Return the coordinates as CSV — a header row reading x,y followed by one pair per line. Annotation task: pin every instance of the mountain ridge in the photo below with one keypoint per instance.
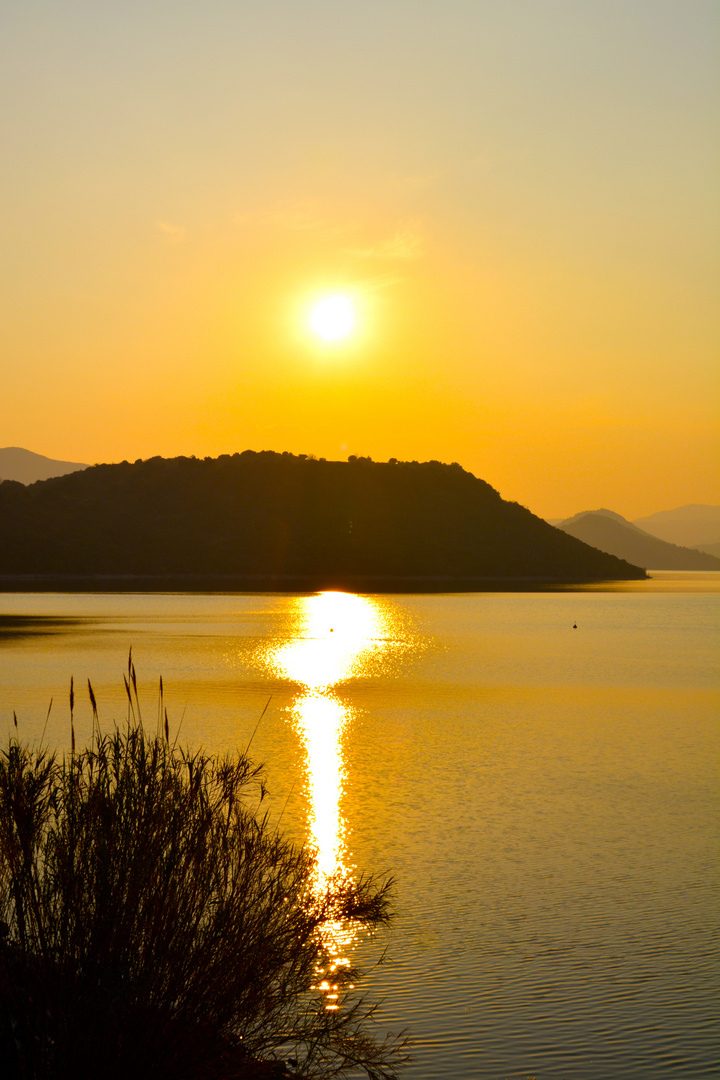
x,y
283,517
695,525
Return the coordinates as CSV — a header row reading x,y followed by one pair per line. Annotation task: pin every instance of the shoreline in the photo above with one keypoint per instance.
x,y
288,583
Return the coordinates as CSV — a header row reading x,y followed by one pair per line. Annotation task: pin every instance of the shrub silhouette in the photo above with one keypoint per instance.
x,y
155,925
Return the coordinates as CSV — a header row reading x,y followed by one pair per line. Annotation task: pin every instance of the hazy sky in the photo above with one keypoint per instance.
x,y
519,196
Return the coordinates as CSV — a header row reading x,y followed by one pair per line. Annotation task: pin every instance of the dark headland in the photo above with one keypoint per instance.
x,y
279,522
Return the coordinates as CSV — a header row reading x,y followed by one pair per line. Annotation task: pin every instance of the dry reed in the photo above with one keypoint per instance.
x,y
155,925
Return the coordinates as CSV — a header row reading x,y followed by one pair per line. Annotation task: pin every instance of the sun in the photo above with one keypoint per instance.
x,y
333,318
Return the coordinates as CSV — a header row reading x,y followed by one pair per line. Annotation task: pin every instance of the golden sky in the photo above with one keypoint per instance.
x,y
520,197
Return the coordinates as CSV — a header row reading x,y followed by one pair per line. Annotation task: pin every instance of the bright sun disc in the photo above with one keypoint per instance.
x,y
333,318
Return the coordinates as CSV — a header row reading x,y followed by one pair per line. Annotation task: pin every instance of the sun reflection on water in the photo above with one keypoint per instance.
x,y
337,632
337,635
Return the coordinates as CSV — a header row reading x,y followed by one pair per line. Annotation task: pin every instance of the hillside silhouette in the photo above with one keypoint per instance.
x,y
610,532
282,521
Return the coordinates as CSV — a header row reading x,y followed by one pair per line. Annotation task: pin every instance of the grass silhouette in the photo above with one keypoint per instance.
x,y
154,924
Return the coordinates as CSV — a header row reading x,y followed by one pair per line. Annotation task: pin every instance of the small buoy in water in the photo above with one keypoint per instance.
x,y
574,626
331,629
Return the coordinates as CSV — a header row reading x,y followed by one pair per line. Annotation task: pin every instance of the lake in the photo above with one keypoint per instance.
x,y
538,772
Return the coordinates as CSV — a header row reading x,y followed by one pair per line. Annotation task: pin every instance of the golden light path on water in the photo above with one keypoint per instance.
x,y
337,634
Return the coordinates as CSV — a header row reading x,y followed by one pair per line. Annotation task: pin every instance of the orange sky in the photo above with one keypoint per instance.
x,y
520,198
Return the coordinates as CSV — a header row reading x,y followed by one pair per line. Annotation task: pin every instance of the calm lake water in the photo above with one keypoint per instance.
x,y
545,795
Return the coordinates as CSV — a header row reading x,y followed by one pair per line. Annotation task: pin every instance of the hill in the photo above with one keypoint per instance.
x,y
560,523
27,467
696,526
610,532
286,520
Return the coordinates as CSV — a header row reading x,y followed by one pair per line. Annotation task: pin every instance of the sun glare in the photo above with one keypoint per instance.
x,y
333,318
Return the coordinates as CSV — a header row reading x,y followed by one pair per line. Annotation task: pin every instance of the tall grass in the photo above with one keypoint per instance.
x,y
155,925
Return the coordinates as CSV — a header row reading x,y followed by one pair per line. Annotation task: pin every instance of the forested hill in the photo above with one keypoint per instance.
x,y
282,520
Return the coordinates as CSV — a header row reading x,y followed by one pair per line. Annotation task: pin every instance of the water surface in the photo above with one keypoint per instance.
x,y
539,772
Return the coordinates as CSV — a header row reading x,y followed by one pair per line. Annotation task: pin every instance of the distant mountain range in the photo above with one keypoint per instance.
x,y
695,526
27,467
281,521
611,532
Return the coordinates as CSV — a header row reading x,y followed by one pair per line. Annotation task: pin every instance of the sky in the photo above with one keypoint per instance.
x,y
518,197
